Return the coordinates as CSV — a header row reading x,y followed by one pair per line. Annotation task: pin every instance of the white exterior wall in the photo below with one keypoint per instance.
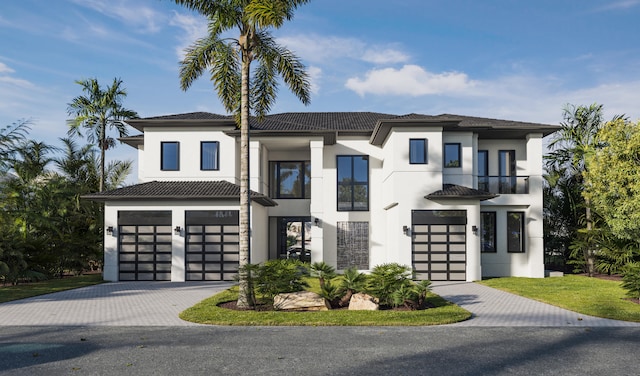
x,y
189,139
528,163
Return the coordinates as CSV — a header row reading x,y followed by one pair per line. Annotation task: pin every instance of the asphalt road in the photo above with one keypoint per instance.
x,y
214,350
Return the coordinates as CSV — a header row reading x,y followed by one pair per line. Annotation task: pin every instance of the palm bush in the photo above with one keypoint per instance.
x,y
631,280
386,279
352,281
278,276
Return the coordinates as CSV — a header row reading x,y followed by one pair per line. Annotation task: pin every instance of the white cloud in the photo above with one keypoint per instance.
x,y
322,49
16,82
619,5
145,19
5,69
315,74
410,80
385,56
194,27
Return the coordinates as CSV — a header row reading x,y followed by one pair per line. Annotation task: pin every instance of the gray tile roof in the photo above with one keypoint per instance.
x,y
320,121
458,191
190,116
179,190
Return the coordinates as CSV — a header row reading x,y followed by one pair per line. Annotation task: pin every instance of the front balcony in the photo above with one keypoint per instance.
x,y
504,184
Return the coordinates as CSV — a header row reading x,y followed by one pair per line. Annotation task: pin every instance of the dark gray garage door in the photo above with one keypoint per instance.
x,y
144,243
212,245
439,244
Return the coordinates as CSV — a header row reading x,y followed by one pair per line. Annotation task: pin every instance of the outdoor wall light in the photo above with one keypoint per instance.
x,y
110,230
406,230
317,222
177,230
474,229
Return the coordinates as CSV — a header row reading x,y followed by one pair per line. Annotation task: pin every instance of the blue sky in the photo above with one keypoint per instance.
x,y
509,59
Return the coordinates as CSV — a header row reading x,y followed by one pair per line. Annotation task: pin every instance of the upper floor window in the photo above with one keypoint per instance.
x,y
488,231
452,155
170,156
209,155
353,182
418,151
507,163
483,170
515,232
290,179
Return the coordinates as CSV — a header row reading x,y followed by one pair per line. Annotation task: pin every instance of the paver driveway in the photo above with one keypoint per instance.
x,y
111,304
159,303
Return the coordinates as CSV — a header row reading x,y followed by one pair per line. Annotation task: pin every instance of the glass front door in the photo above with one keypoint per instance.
x,y
294,240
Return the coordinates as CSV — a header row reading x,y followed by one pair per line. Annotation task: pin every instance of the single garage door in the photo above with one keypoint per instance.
x,y
212,245
144,243
439,244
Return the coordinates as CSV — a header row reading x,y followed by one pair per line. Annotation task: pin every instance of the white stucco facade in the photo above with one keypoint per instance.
x,y
425,215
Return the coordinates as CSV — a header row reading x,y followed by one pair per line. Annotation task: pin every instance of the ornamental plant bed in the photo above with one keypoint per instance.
x,y
233,305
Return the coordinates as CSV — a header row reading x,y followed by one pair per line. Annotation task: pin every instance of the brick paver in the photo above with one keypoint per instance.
x,y
159,303
111,304
492,307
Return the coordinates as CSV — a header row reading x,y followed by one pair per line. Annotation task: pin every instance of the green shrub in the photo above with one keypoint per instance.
x,y
351,282
278,276
385,280
631,280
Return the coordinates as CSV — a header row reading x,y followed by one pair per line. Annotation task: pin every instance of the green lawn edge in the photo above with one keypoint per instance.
x,y
28,290
208,312
585,295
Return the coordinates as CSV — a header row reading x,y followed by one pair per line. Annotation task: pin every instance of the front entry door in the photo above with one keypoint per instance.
x,y
294,238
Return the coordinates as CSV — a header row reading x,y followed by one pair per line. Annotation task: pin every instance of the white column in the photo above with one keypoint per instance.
x,y
474,261
178,273
534,231
110,268
316,206
254,166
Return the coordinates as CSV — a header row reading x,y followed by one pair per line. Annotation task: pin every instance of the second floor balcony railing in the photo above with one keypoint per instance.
x,y
504,184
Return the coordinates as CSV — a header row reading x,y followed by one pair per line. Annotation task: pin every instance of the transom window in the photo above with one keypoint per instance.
x,y
290,179
452,155
418,151
209,155
353,182
170,156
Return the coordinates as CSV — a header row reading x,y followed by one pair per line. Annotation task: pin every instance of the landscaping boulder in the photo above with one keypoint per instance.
x,y
300,301
363,302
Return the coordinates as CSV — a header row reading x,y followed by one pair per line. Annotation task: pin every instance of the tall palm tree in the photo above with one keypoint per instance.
x,y
229,61
100,110
577,135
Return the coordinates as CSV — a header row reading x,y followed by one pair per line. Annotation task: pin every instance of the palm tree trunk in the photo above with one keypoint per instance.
x,y
102,143
245,235
589,252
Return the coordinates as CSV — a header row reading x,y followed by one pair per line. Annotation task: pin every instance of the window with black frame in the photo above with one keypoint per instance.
x,y
290,179
353,182
515,232
170,156
209,155
452,155
418,151
488,231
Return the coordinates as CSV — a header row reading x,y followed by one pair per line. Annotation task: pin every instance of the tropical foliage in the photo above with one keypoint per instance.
x,y
46,230
241,87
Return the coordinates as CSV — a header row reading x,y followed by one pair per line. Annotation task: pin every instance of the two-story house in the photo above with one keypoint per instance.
x,y
454,197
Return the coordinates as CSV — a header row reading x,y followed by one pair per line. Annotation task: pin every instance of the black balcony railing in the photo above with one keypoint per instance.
x,y
504,184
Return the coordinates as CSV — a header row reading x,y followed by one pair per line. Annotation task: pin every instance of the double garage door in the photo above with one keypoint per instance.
x,y
439,244
146,251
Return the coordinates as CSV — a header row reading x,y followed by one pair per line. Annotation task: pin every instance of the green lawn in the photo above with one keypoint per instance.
x,y
208,312
21,291
589,296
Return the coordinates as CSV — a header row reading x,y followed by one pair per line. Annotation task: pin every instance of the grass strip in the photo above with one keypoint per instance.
x,y
27,290
588,296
